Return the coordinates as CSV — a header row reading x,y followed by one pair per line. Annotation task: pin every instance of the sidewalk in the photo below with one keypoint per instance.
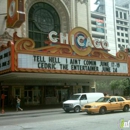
x,y
12,112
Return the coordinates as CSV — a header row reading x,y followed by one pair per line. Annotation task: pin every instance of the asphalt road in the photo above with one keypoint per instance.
x,y
59,120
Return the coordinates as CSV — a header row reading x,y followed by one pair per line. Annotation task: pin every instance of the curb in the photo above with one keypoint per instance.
x,y
27,112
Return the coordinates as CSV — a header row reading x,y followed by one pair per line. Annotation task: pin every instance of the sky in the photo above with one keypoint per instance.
x,y
93,6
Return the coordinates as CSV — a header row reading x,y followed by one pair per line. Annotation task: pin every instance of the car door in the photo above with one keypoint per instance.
x,y
120,102
113,105
83,100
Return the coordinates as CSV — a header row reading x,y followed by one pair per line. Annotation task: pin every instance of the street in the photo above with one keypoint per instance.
x,y
59,120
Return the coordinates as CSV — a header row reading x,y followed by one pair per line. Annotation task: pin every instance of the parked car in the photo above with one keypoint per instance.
x,y
78,100
108,103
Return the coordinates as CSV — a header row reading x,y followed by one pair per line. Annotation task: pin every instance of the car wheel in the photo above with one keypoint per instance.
x,y
102,110
89,113
77,109
126,108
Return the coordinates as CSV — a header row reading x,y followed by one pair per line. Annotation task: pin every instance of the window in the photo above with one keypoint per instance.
x,y
125,23
116,13
122,34
120,14
121,28
113,99
122,40
121,22
118,33
125,17
126,29
118,39
43,18
118,27
83,97
123,46
126,35
119,45
127,41
120,99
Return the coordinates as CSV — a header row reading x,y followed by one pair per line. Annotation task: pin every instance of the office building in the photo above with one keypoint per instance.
x,y
110,21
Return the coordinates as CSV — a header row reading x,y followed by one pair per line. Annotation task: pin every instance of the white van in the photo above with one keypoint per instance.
x,y
78,100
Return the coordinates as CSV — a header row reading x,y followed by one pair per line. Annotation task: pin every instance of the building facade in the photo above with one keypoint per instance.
x,y
47,52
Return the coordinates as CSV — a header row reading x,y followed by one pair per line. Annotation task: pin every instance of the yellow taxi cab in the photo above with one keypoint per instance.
x,y
107,103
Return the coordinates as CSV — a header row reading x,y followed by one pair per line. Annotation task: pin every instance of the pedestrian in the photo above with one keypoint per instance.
x,y
18,100
105,94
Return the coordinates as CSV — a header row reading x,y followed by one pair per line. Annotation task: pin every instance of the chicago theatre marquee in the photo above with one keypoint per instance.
x,y
68,63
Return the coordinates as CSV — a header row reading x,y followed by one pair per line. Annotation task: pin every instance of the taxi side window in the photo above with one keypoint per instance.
x,y
120,99
83,97
113,99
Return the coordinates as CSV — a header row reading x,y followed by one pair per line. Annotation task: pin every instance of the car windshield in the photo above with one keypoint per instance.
x,y
103,99
74,97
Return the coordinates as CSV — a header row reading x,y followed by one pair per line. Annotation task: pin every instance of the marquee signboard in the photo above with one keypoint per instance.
x,y
27,61
72,53
7,58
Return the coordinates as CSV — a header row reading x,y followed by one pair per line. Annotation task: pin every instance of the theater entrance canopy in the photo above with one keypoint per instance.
x,y
66,57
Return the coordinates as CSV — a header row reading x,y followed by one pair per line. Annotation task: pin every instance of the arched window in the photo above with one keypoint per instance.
x,y
43,18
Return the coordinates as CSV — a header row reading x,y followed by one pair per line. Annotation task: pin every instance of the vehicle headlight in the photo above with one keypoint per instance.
x,y
70,105
94,106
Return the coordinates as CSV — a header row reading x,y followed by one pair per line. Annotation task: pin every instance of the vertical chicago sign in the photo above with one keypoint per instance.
x,y
15,13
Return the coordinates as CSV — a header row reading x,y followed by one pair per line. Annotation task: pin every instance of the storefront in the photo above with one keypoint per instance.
x,y
38,95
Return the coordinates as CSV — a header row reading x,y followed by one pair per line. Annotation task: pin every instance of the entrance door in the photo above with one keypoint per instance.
x,y
62,95
32,96
28,96
17,92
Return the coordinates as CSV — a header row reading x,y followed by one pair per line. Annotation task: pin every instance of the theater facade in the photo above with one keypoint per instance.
x,y
54,59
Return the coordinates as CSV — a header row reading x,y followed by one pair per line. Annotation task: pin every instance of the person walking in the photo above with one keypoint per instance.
x,y
18,100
